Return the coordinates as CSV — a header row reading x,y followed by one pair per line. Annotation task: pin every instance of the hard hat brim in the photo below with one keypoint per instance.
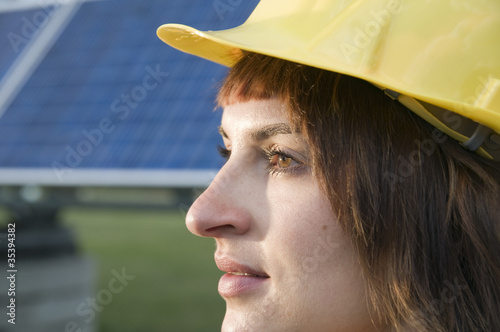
x,y
199,43
225,47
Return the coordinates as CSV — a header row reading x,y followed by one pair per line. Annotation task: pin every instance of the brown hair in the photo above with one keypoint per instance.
x,y
422,212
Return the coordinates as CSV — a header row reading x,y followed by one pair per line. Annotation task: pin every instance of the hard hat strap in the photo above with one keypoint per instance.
x,y
478,138
484,140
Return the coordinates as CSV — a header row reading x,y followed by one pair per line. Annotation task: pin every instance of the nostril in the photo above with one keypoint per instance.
x,y
221,228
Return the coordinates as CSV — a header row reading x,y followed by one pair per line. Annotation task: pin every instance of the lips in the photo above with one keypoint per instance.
x,y
239,279
231,266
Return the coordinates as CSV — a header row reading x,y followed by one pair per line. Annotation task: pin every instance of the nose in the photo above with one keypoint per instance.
x,y
220,210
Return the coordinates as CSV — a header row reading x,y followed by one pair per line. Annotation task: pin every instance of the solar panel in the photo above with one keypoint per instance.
x,y
110,98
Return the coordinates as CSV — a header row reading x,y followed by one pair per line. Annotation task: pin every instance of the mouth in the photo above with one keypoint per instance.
x,y
239,279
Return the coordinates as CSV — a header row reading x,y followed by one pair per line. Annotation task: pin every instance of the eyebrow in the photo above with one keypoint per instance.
x,y
265,132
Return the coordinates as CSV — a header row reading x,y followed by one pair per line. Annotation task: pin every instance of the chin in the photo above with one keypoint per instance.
x,y
235,321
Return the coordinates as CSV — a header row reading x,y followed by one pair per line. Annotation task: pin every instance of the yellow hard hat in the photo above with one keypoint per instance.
x,y
433,56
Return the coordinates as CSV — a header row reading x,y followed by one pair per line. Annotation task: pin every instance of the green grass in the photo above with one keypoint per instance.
x,y
175,285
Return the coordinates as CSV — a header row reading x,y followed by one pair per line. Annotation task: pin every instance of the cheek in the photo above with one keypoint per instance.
x,y
314,247
306,233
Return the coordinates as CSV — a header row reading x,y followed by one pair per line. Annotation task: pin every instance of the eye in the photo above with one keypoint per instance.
x,y
281,161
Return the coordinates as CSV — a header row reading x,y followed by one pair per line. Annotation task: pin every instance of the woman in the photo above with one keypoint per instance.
x,y
342,205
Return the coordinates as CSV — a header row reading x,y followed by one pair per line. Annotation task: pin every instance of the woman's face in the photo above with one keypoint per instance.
x,y
288,265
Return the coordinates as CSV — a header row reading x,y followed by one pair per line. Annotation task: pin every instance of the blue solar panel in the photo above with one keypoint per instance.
x,y
110,94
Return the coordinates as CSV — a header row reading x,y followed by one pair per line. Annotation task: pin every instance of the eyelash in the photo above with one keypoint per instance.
x,y
223,152
269,154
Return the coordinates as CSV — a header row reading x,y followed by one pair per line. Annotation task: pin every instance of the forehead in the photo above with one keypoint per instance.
x,y
249,115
